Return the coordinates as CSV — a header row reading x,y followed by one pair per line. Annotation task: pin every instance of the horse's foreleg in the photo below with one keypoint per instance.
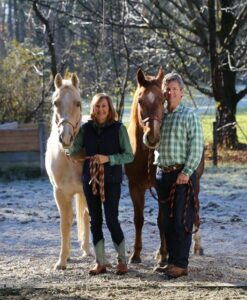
x,y
66,217
85,245
162,252
83,224
198,250
137,196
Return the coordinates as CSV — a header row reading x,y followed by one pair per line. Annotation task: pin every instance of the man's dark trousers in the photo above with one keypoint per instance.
x,y
177,239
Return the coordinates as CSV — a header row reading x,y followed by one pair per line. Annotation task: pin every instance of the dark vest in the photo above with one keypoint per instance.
x,y
106,143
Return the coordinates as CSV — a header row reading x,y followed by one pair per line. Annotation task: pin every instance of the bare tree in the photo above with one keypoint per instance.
x,y
50,38
206,42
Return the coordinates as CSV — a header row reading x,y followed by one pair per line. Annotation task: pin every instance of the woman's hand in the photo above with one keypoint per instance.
x,y
101,159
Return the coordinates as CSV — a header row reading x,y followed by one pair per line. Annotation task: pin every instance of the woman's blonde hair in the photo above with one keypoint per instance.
x,y
96,99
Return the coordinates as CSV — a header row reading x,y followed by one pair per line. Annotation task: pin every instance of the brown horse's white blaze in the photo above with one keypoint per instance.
x,y
150,106
64,174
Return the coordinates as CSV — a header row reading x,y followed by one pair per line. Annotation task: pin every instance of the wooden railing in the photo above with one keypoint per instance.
x,y
23,146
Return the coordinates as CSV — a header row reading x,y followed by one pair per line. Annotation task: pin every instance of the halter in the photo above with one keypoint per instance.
x,y
144,121
68,122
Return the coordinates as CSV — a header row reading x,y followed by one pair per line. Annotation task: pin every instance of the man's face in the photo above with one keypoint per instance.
x,y
173,93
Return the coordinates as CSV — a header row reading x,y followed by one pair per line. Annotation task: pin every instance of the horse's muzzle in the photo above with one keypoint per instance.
x,y
66,140
152,141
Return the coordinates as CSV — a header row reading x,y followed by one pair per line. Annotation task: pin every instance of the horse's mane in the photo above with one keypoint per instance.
x,y
134,129
66,85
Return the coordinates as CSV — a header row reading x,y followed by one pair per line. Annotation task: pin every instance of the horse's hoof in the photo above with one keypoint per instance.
x,y
86,253
60,266
135,260
199,251
160,269
161,263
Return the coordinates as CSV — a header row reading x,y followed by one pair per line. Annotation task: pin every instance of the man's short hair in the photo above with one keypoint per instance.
x,y
172,77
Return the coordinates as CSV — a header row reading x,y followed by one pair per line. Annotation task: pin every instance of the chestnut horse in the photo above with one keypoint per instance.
x,y
64,174
145,120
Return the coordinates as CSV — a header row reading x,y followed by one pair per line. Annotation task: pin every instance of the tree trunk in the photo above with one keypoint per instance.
x,y
10,21
223,80
226,128
50,39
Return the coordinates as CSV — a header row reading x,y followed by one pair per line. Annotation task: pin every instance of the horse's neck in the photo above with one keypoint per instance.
x,y
54,139
54,131
136,139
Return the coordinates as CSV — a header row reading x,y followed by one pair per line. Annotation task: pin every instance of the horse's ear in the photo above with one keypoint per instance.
x,y
75,81
141,77
160,76
58,81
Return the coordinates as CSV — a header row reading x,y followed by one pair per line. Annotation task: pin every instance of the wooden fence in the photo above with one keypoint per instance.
x,y
23,147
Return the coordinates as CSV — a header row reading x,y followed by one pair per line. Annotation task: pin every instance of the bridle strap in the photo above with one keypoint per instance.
x,y
68,122
151,119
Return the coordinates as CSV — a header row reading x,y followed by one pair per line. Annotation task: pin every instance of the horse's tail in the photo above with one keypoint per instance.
x,y
82,217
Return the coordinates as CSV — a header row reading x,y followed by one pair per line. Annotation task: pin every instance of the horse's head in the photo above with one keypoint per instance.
x,y
67,108
150,101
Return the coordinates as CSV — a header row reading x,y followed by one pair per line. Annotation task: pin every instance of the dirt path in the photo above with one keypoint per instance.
x,y
29,247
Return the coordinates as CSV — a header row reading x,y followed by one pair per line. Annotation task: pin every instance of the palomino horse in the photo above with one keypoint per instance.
x,y
146,116
64,174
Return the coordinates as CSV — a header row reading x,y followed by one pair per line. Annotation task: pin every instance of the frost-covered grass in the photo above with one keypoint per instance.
x,y
30,242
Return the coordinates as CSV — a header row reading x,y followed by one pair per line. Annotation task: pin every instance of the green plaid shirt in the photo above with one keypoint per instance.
x,y
181,140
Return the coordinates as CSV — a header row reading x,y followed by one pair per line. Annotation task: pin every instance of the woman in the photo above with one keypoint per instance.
x,y
107,142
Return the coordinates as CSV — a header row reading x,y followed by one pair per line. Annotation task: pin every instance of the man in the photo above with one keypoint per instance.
x,y
177,157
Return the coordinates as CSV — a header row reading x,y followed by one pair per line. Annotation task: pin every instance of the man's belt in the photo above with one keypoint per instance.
x,y
172,168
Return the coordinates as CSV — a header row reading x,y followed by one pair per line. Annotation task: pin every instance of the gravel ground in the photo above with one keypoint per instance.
x,y
29,247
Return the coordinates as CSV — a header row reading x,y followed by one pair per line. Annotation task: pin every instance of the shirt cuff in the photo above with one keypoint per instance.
x,y
187,171
111,160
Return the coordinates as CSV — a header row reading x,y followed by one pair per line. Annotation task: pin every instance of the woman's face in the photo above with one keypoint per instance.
x,y
101,111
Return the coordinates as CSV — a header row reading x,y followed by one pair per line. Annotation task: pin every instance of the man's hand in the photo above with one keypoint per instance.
x,y
182,178
101,159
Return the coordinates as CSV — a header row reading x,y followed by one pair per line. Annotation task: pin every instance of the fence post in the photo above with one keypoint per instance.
x,y
42,146
215,142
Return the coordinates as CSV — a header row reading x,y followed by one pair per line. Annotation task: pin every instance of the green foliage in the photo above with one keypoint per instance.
x,y
21,85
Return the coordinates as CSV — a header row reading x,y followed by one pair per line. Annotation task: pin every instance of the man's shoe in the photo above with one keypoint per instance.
x,y
97,269
176,272
121,268
164,269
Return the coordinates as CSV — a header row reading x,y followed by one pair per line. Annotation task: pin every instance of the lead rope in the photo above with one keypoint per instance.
x,y
97,177
171,200
150,160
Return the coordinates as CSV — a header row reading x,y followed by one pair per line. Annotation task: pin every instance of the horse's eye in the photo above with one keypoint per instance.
x,y
140,100
78,104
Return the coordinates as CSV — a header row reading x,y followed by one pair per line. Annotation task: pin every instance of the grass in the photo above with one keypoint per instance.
x,y
224,156
207,124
